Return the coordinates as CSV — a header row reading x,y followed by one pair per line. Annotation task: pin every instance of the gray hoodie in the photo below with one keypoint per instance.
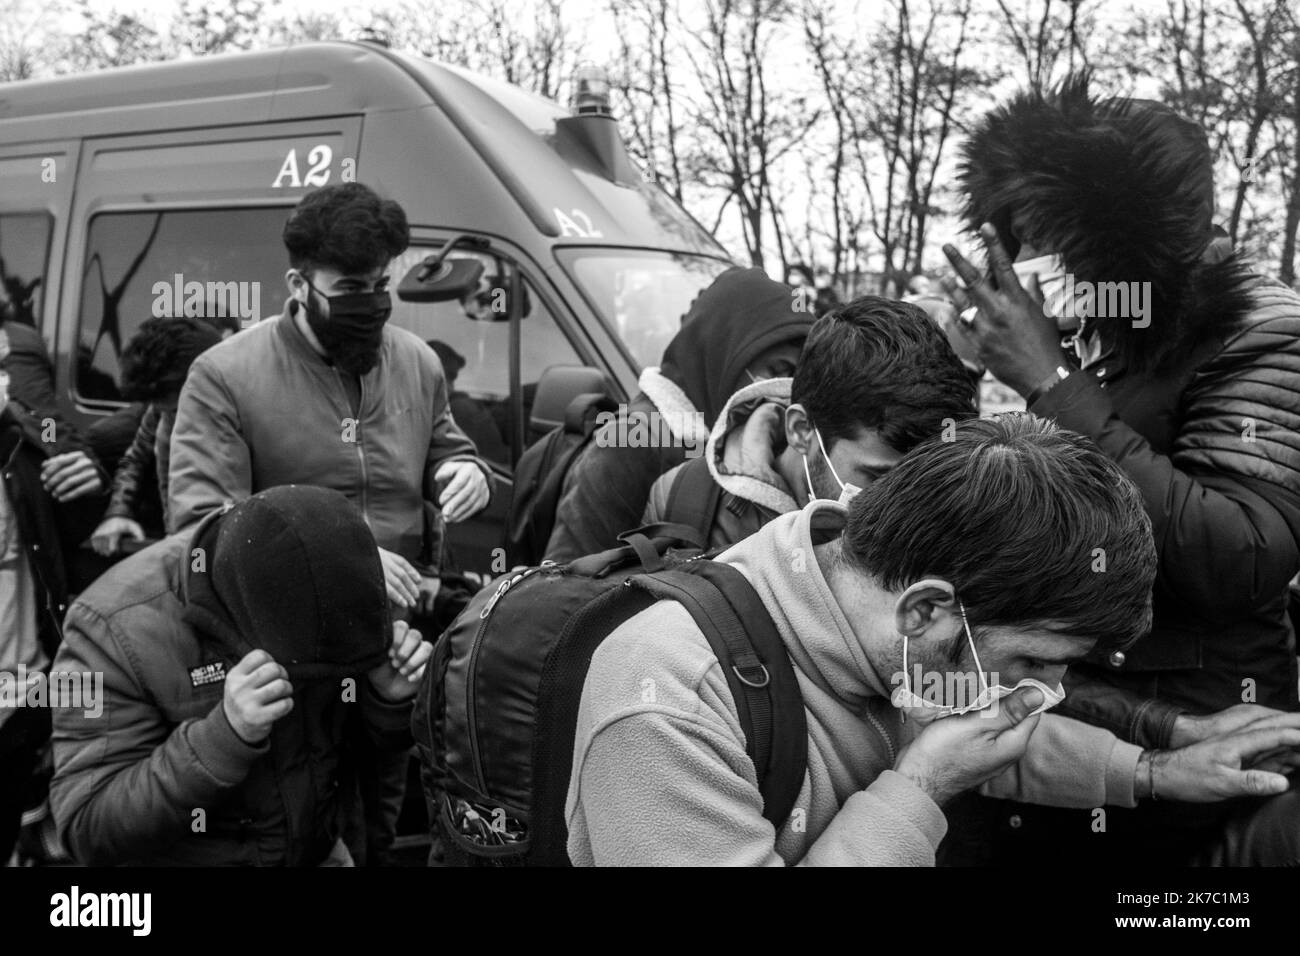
x,y
660,774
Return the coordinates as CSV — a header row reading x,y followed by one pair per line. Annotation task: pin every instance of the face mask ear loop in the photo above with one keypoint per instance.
x,y
306,303
974,653
834,473
808,478
907,679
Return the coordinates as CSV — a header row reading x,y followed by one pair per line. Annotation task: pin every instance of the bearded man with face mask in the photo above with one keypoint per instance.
x,y
928,625
330,394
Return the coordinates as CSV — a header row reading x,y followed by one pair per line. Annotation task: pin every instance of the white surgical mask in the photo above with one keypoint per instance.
x,y
847,489
924,711
1052,283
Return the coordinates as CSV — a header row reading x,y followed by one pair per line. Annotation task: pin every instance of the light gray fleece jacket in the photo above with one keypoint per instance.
x,y
660,774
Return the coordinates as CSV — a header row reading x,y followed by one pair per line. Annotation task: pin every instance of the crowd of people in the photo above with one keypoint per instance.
x,y
1120,554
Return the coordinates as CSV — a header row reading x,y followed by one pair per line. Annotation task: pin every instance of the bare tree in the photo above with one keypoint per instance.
x,y
1225,68
1042,32
113,39
752,126
1260,97
643,80
1290,172
893,96
29,38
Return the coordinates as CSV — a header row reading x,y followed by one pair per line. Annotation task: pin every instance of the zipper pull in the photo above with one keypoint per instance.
x,y
507,584
492,602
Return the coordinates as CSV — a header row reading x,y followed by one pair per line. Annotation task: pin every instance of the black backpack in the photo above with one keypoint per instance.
x,y
539,478
497,710
693,498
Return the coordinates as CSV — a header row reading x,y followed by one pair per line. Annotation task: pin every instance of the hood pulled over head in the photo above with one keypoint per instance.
x,y
740,316
293,571
1122,190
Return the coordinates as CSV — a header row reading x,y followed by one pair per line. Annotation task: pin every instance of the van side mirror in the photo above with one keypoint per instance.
x,y
449,280
490,302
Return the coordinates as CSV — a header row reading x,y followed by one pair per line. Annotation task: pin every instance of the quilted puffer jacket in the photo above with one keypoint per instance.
x,y
1199,401
1214,445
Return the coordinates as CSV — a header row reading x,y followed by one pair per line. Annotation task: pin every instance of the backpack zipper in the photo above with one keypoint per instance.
x,y
471,677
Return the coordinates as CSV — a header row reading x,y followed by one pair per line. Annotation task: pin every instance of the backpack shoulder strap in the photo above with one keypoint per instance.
x,y
694,497
757,666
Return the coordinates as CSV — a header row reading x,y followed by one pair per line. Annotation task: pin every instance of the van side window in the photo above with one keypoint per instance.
x,y
24,262
472,339
226,265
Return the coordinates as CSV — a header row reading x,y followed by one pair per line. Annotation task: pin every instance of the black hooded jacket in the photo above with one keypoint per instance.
x,y
160,777
1201,407
741,315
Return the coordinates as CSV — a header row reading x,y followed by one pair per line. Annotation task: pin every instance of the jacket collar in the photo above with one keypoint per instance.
x,y
292,335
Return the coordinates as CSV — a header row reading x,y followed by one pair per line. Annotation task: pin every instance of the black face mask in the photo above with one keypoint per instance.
x,y
353,332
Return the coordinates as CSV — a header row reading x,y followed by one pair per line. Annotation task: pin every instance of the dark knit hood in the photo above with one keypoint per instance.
x,y
293,571
1123,191
742,314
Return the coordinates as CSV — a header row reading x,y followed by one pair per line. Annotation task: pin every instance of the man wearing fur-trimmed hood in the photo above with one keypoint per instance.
x,y
743,327
1185,369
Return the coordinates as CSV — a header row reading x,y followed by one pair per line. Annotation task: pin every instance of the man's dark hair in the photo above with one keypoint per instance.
x,y
158,357
345,227
1031,524
878,363
452,361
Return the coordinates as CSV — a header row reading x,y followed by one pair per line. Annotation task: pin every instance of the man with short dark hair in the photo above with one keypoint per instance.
x,y
874,379
967,566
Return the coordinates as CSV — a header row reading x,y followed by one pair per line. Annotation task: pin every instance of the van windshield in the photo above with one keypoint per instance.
x,y
643,295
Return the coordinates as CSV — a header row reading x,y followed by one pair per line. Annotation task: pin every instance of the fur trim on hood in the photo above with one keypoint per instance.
x,y
683,419
1123,191
741,453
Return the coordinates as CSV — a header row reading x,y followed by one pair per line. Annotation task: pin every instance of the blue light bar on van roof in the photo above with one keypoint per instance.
x,y
590,91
